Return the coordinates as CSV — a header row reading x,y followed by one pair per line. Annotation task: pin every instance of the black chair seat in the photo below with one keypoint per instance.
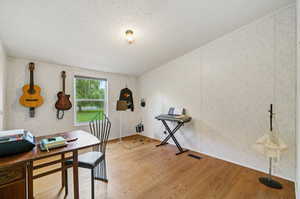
x,y
88,160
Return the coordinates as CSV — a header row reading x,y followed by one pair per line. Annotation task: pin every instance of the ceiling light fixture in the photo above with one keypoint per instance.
x,y
129,36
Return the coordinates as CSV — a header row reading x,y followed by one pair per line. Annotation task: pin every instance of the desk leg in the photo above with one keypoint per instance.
x,y
30,179
75,174
63,177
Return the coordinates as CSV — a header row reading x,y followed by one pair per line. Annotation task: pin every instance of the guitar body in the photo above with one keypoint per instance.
x,y
31,100
63,102
31,97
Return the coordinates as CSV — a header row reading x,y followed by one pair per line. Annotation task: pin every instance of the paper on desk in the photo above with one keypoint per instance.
x,y
12,132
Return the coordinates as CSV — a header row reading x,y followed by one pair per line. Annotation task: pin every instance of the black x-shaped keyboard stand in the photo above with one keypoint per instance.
x,y
180,122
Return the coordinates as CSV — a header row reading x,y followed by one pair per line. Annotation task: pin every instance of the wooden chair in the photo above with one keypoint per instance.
x,y
94,160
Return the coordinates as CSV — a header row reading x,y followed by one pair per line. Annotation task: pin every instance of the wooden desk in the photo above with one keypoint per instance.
x,y
84,140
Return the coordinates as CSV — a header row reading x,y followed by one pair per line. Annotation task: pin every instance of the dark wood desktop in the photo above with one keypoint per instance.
x,y
13,180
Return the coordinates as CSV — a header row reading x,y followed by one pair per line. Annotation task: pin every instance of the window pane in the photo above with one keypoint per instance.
x,y
89,110
90,89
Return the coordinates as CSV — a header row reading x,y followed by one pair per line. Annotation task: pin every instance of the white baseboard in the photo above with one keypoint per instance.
x,y
232,161
243,165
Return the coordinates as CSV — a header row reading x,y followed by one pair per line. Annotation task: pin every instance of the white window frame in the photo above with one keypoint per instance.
x,y
76,100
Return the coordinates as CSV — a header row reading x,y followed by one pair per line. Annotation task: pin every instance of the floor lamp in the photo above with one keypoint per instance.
x,y
271,146
121,106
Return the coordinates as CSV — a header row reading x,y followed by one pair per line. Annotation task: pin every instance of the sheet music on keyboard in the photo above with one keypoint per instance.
x,y
175,118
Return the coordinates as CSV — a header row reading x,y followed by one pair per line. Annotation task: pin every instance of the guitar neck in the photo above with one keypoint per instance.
x,y
63,76
64,84
31,84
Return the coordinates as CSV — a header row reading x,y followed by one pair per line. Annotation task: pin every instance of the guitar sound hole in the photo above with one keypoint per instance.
x,y
31,100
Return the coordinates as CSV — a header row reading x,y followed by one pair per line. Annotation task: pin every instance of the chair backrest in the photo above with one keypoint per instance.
x,y
101,129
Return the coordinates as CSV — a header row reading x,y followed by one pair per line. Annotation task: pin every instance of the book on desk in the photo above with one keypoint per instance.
x,y
51,143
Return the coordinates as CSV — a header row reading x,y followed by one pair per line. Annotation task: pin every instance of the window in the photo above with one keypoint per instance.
x,y
90,99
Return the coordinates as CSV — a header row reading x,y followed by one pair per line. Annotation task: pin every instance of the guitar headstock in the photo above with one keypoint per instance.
x,y
63,74
31,66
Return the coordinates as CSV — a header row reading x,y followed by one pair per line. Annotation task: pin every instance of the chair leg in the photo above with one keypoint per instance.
x,y
101,171
66,181
104,169
93,183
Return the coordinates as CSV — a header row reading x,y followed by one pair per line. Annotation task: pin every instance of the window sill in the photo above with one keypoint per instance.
x,y
81,124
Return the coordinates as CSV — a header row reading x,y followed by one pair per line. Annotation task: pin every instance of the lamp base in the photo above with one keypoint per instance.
x,y
270,183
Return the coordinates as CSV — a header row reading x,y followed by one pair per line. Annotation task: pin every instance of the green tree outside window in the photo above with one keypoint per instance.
x,y
90,99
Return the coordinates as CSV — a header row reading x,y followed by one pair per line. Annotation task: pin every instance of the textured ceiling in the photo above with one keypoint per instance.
x,y
90,33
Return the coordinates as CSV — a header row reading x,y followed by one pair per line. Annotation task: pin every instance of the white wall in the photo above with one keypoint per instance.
x,y
2,85
227,86
48,77
298,104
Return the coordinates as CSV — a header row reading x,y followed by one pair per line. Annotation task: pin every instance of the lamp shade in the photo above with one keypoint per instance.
x,y
270,145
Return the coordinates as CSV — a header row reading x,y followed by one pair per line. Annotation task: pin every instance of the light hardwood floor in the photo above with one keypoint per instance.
x,y
143,171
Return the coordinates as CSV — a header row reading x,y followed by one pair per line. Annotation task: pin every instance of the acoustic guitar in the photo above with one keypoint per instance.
x,y
63,103
31,94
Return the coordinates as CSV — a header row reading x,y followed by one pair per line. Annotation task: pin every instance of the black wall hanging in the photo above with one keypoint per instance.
x,y
126,95
143,102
